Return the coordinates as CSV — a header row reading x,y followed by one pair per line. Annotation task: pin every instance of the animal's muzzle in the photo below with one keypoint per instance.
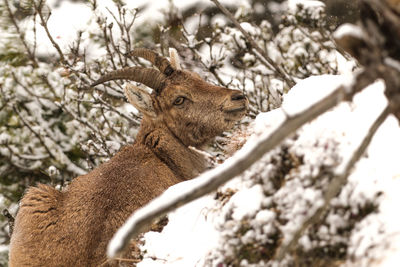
x,y
237,96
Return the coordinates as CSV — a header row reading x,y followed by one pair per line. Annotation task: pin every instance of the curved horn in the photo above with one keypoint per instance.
x,y
160,62
148,76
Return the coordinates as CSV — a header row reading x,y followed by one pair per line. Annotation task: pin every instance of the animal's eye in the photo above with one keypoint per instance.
x,y
179,101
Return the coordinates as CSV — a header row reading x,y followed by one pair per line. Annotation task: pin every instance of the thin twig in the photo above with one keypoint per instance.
x,y
27,90
21,34
43,22
115,47
78,118
99,136
112,108
107,45
38,135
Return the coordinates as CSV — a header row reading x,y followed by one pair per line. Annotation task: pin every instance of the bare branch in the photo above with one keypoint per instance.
x,y
43,22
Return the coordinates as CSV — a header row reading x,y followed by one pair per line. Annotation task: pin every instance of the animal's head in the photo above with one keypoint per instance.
x,y
193,110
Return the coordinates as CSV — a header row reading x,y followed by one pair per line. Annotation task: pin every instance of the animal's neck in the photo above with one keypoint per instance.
x,y
185,162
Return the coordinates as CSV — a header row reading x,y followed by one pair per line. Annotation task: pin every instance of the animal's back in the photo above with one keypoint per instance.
x,y
53,227
39,213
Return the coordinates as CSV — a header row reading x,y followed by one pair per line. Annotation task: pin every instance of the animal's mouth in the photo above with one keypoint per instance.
x,y
234,114
236,110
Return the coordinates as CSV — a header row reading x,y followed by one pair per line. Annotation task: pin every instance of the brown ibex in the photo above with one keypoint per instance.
x,y
73,227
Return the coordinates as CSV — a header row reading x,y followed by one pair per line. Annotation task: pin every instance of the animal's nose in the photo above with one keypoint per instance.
x,y
237,96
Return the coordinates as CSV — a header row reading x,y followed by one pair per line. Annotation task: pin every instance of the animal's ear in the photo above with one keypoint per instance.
x,y
140,99
174,58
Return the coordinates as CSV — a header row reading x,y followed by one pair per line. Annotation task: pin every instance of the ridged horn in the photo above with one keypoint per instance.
x,y
148,76
160,62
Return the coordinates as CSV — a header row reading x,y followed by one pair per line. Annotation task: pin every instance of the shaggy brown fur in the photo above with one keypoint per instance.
x,y
73,227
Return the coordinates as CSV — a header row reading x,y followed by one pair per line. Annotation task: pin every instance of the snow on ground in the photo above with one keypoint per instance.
x,y
190,237
251,213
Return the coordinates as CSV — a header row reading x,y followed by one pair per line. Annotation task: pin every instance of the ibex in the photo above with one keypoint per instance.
x,y
72,227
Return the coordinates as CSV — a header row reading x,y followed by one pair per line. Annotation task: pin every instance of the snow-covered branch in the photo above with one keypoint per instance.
x,y
249,154
339,179
30,52
258,52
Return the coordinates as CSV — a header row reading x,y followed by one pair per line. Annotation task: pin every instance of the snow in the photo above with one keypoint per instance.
x,y
249,28
247,202
192,237
348,29
305,3
312,5
317,86
219,20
